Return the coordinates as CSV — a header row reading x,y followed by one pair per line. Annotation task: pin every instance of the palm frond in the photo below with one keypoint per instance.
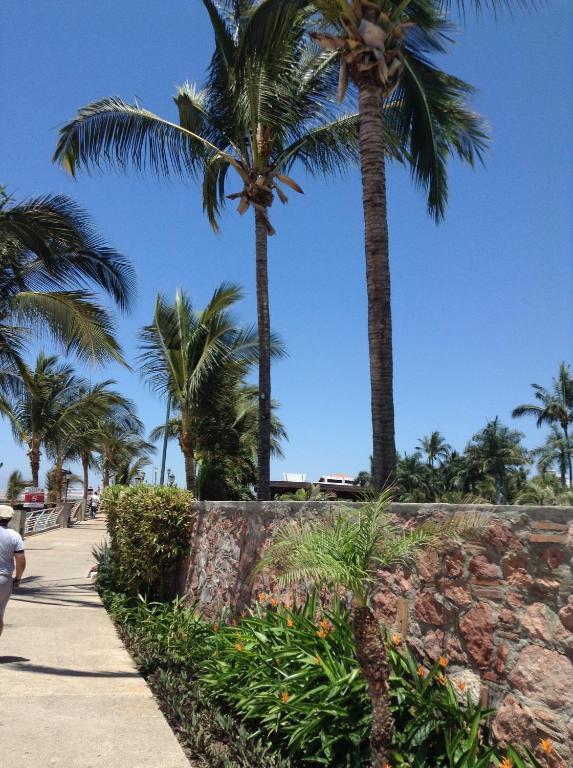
x,y
75,319
113,132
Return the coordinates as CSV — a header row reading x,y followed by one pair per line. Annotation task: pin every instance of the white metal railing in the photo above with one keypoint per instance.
x,y
77,515
42,520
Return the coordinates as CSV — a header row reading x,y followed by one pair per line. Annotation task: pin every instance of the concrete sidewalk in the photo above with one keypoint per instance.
x,y
70,695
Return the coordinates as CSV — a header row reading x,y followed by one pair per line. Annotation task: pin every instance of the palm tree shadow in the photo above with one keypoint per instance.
x,y
12,659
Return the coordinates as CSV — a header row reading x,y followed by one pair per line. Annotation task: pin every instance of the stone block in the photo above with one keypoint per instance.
x,y
544,676
477,631
539,621
430,611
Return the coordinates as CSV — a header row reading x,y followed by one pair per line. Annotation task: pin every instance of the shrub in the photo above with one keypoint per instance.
x,y
149,528
291,677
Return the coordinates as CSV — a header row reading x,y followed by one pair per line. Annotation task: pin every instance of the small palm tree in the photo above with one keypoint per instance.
x,y
435,448
555,451
15,486
495,450
193,356
118,442
73,424
34,408
554,407
348,550
49,253
268,104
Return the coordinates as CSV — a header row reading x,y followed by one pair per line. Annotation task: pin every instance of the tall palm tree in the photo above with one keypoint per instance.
x,y
494,450
51,259
554,407
385,49
348,550
266,106
187,354
434,447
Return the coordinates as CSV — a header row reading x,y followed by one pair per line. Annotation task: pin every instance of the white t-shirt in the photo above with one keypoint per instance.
x,y
10,543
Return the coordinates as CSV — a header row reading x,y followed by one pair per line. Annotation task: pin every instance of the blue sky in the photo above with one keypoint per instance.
x,y
482,303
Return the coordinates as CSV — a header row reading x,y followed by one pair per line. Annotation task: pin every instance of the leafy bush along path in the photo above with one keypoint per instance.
x,y
280,689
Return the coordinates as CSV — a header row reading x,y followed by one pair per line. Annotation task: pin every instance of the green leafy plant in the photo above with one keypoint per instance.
x,y
346,551
290,677
149,528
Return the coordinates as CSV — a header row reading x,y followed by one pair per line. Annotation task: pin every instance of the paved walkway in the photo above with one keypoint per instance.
x,y
70,696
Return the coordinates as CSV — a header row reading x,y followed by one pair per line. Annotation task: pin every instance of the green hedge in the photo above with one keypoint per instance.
x,y
150,529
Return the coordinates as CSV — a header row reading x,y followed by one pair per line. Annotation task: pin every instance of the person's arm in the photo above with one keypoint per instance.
x,y
20,560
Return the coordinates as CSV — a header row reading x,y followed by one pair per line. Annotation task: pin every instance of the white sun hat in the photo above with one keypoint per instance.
x,y
6,512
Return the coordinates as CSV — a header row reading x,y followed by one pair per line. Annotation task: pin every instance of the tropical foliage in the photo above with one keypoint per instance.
x,y
347,551
283,686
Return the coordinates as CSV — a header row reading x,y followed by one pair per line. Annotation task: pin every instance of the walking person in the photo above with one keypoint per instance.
x,y
94,503
11,556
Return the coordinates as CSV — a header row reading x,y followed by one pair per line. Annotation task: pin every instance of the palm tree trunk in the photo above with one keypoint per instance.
x,y
372,163
58,482
498,489
34,456
373,661
188,450
569,459
85,469
105,475
264,331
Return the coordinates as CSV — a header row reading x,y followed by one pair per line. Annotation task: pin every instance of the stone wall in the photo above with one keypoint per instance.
x,y
501,609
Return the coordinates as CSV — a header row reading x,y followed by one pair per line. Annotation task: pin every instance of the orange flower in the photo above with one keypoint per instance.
x,y
322,633
460,685
443,662
546,745
324,624
441,679
396,640
422,672
284,697
262,597
507,762
273,601
386,765
239,647
290,622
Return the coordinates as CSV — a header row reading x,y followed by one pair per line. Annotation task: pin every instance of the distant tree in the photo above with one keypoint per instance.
x,y
192,356
414,479
15,486
554,407
434,448
555,451
494,451
543,491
